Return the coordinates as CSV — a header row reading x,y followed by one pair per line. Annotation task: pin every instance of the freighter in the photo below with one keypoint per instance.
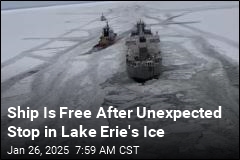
x,y
143,58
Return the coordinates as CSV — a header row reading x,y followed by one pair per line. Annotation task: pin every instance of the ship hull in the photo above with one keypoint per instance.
x,y
143,72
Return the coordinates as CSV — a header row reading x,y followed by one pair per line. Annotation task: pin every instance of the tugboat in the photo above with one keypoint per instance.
x,y
107,38
103,18
143,58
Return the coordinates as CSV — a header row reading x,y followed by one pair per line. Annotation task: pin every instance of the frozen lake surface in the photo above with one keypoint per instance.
x,y
44,63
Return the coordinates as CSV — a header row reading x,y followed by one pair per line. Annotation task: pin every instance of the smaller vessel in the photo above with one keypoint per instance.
x,y
107,38
103,18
